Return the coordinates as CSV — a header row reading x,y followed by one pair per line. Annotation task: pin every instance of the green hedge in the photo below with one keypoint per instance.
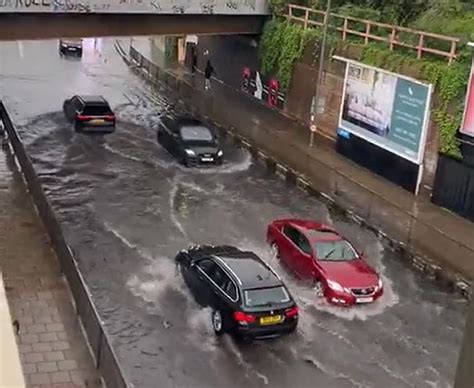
x,y
281,45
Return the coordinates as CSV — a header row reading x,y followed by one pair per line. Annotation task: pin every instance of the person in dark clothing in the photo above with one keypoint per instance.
x,y
194,61
208,72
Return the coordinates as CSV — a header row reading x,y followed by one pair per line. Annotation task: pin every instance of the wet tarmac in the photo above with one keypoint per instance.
x,y
127,207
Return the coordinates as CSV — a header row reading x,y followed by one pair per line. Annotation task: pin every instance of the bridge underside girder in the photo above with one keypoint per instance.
x,y
19,26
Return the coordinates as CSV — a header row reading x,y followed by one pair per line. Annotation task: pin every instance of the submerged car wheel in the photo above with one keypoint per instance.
x,y
78,126
218,322
185,161
319,289
275,252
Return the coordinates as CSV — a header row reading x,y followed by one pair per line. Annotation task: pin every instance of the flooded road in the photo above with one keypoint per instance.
x,y
127,207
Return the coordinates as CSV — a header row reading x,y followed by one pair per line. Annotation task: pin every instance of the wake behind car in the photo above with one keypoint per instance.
x,y
90,113
70,46
247,297
316,251
191,142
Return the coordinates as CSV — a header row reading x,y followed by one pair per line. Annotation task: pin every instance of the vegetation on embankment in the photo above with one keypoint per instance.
x,y
283,43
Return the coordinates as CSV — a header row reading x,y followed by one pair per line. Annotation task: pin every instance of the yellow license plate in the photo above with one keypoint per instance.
x,y
270,320
98,121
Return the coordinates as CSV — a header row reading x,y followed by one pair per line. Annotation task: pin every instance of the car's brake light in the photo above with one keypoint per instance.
x,y
110,118
240,316
291,312
83,118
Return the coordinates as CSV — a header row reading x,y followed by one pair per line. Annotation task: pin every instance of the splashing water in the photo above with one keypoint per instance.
x,y
307,296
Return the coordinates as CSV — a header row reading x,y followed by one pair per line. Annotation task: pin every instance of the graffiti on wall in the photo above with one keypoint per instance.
x,y
77,6
152,6
18,4
70,6
208,7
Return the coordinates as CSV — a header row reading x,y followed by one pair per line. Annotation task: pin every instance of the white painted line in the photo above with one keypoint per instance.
x,y
327,197
302,183
262,155
246,144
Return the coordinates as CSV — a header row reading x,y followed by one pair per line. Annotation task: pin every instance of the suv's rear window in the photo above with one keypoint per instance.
x,y
96,110
196,133
77,42
266,296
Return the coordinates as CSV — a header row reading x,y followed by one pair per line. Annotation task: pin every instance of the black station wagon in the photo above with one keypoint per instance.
x,y
247,297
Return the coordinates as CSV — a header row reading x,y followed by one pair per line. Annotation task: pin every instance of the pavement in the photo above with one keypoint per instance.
x,y
126,207
432,231
52,348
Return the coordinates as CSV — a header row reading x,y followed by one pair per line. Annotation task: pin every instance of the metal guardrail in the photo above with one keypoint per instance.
x,y
378,213
105,358
366,30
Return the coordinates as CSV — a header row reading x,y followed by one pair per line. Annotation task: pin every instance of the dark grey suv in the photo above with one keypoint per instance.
x,y
70,46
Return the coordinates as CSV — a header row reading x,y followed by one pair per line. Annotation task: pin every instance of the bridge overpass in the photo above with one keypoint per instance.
x,y
43,19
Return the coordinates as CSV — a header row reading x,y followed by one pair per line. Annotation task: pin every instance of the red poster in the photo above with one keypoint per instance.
x,y
467,126
272,93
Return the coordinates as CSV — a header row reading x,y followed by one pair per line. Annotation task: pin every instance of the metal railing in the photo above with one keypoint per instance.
x,y
105,358
376,210
370,31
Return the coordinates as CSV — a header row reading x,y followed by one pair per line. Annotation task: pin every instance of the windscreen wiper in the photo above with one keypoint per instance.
x,y
329,254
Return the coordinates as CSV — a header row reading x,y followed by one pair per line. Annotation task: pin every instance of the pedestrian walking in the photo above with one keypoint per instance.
x,y
208,72
194,61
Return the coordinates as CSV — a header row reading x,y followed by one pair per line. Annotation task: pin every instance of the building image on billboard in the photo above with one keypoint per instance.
x,y
368,99
386,109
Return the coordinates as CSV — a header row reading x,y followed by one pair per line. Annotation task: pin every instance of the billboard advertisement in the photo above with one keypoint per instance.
x,y
467,127
388,110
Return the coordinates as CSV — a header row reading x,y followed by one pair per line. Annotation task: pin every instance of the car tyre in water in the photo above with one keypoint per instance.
x,y
319,289
185,161
218,322
275,251
78,126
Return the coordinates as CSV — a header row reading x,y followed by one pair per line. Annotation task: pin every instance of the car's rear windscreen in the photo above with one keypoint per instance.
x,y
97,110
196,133
266,296
72,42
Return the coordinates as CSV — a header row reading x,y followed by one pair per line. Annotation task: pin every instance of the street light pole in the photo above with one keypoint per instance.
x,y
320,71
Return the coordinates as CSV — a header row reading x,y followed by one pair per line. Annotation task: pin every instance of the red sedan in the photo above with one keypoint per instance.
x,y
316,251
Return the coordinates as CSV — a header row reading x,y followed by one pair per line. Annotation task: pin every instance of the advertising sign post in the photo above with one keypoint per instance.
x,y
386,110
389,110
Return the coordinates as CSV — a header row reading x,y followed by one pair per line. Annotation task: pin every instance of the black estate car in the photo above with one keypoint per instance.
x,y
247,297
188,140
70,46
91,113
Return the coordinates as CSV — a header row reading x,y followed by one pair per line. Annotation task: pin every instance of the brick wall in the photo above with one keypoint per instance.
x,y
303,87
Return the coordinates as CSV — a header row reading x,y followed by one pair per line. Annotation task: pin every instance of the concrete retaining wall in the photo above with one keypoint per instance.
x,y
105,359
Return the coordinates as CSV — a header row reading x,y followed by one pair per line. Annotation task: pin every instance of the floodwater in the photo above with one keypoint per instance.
x,y
127,207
